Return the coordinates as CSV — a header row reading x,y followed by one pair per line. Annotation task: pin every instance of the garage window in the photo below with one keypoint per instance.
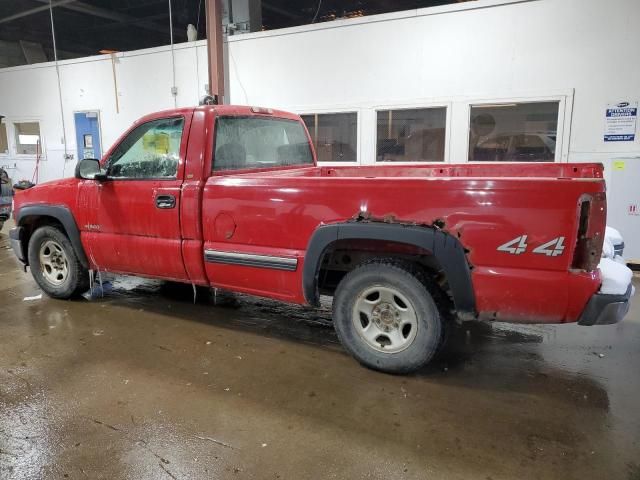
x,y
513,132
27,138
411,135
4,143
334,135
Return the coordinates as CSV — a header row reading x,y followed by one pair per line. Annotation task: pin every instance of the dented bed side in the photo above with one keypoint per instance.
x,y
519,233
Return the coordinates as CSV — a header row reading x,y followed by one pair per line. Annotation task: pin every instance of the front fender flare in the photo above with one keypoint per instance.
x,y
446,248
62,214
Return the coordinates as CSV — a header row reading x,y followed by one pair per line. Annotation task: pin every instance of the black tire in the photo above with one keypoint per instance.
x,y
409,281
77,277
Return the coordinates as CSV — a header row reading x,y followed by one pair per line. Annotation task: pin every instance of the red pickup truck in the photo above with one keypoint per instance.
x,y
231,197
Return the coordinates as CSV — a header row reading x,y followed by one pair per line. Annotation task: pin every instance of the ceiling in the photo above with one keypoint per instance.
x,y
287,13
86,27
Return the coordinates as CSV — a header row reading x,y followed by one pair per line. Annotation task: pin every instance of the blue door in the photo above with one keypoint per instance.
x,y
88,135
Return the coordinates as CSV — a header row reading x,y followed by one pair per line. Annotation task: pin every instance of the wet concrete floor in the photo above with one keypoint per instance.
x,y
145,384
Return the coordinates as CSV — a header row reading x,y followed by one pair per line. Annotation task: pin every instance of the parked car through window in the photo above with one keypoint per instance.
x,y
513,132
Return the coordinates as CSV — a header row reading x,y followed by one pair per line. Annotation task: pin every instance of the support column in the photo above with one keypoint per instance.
x,y
214,49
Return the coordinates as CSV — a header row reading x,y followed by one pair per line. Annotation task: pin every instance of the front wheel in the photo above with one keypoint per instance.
x,y
386,318
54,264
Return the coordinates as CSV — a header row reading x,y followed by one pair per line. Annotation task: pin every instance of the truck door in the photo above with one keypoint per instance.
x,y
134,221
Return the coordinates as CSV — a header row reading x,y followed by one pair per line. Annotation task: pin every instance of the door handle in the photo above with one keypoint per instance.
x,y
165,201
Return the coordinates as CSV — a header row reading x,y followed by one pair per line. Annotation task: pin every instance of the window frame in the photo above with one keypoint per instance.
x,y
565,108
334,110
7,153
223,172
12,140
447,105
177,176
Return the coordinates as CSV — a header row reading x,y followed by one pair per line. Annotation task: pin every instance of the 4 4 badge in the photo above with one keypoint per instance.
x,y
518,245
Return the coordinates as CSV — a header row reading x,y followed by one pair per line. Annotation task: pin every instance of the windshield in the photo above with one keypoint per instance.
x,y
257,142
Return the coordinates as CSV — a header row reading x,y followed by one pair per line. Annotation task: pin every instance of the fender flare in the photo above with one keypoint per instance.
x,y
64,216
445,247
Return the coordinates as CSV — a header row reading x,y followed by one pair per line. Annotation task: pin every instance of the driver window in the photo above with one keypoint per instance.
x,y
151,150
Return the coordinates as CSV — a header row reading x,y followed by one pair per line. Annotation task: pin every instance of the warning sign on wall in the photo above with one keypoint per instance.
x,y
620,122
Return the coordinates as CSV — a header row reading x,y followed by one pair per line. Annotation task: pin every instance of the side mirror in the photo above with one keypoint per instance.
x,y
89,169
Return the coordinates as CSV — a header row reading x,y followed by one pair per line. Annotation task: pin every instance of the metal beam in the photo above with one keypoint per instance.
x,y
88,9
116,25
31,11
281,11
12,33
214,48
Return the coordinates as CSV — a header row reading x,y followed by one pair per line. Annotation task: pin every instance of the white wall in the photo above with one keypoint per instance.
x,y
583,53
144,80
584,49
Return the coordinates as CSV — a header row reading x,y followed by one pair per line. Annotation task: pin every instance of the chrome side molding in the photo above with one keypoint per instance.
x,y
288,264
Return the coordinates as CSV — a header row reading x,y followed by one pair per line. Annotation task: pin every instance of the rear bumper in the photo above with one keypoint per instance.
x,y
603,309
15,237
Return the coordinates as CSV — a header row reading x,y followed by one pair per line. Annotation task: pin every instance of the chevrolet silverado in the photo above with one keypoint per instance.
x,y
231,197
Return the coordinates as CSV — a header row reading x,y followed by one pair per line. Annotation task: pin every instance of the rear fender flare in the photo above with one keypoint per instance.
x,y
445,247
63,215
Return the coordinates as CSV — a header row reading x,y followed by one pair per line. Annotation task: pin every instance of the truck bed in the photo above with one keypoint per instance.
x,y
485,206
484,170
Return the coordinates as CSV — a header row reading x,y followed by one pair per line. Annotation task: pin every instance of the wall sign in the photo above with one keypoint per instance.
x,y
620,122
618,165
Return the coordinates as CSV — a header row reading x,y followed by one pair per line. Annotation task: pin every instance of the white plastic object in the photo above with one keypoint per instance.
x,y
615,277
613,235
607,248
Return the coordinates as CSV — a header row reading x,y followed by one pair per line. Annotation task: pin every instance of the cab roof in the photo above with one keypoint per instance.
x,y
230,110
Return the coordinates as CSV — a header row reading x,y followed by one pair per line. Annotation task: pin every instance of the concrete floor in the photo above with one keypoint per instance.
x,y
145,384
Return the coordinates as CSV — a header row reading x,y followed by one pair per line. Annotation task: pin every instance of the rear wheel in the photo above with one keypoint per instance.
x,y
54,264
386,318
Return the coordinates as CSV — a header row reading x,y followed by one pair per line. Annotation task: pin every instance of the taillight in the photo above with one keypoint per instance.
x,y
592,218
